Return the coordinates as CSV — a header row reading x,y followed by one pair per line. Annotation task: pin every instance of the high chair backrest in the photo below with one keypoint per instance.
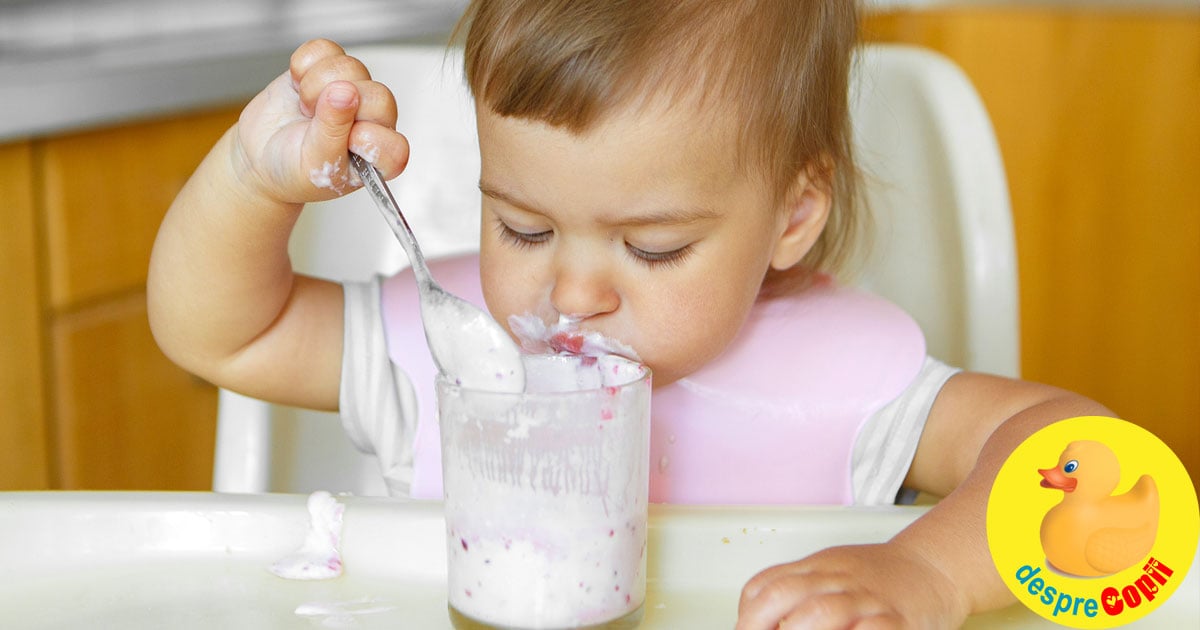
x,y
943,238
942,246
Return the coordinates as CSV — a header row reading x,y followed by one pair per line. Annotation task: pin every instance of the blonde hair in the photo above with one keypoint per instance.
x,y
781,67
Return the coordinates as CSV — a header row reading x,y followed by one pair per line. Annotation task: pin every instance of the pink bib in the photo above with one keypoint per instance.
x,y
773,420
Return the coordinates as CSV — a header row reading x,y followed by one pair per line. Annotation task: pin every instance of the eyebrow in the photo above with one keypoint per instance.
x,y
670,215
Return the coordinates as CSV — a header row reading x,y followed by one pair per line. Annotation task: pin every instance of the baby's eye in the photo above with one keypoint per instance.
x,y
522,239
656,260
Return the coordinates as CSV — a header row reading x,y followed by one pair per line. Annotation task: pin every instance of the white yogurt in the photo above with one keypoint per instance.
x,y
319,557
546,500
333,176
469,346
564,336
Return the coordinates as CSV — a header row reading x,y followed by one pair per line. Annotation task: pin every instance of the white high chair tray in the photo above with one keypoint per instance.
x,y
199,560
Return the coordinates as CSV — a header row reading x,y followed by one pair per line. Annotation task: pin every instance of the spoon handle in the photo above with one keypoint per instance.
x,y
391,213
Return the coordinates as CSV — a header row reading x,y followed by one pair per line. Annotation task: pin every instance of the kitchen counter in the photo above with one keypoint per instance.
x,y
67,64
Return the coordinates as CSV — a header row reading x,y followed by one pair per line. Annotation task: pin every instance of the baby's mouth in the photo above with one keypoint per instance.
x,y
564,337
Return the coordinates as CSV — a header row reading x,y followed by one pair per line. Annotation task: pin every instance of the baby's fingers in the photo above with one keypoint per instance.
x,y
380,145
375,103
336,128
317,63
327,138
311,53
782,599
836,611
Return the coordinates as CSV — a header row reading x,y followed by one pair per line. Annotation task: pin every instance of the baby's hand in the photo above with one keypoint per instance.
x,y
859,586
292,141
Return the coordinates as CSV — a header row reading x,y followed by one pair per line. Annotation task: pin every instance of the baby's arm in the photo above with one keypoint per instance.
x,y
938,570
223,300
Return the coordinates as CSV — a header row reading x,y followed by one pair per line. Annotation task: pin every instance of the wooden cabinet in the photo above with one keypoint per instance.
x,y
88,400
125,417
24,455
1096,115
104,193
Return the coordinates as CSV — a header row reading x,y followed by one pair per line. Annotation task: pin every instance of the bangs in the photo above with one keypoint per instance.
x,y
569,63
776,71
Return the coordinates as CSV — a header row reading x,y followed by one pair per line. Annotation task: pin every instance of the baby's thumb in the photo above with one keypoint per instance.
x,y
329,135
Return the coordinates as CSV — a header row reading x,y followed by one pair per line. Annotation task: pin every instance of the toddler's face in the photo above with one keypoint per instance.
x,y
643,227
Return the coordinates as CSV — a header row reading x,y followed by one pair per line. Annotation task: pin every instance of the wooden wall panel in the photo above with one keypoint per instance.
x,y
1096,113
23,447
127,418
105,194
123,416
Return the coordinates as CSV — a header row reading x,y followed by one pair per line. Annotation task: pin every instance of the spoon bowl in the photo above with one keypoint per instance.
x,y
467,345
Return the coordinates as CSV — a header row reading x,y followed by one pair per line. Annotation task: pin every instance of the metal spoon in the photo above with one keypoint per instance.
x,y
467,345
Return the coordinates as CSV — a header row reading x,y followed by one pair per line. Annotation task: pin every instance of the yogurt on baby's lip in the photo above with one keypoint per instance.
x,y
546,494
564,337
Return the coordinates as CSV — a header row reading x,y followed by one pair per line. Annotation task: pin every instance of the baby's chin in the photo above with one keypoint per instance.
x,y
671,367
666,372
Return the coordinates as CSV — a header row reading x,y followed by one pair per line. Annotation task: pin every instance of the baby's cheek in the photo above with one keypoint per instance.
x,y
498,292
687,340
672,356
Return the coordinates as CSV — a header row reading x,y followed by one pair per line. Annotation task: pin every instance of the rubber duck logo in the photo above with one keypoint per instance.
x,y
1110,534
1093,532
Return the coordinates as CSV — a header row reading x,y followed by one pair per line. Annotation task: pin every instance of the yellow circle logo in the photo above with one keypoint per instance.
x,y
1092,522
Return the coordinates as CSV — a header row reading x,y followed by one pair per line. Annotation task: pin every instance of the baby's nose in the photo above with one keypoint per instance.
x,y
581,293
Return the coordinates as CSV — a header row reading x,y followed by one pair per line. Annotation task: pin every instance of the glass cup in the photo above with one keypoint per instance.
x,y
546,496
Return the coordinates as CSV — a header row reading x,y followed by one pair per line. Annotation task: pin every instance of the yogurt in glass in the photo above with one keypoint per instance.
x,y
546,495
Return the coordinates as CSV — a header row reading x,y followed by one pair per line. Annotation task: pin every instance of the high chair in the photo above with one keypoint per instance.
x,y
942,246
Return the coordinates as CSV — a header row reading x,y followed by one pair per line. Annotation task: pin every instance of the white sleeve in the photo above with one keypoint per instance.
x,y
888,440
376,401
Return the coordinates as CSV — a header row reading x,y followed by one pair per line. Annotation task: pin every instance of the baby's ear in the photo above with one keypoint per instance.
x,y
802,219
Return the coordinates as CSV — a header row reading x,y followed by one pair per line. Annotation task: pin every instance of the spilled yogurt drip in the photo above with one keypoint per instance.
x,y
319,557
564,337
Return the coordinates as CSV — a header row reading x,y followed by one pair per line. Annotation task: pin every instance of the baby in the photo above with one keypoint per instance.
x,y
653,171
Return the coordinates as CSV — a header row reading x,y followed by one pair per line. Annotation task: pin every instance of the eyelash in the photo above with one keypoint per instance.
x,y
521,239
659,260
653,260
